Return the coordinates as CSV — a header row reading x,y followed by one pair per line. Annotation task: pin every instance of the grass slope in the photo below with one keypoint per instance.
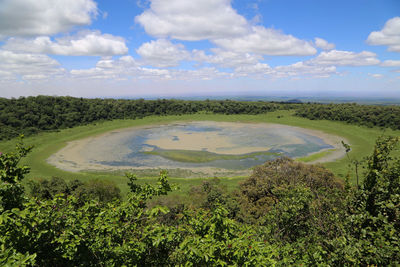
x,y
361,139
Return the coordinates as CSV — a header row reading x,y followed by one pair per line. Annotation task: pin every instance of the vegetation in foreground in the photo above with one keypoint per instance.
x,y
285,213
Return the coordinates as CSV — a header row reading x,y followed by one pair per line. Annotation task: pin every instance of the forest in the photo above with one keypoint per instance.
x,y
284,213
30,115
366,115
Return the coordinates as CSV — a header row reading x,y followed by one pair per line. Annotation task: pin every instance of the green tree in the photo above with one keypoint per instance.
x,y
11,175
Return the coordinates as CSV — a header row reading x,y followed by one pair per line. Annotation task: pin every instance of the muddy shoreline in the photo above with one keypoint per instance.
x,y
77,155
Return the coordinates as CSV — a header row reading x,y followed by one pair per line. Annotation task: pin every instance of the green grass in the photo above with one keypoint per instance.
x,y
195,156
315,156
361,139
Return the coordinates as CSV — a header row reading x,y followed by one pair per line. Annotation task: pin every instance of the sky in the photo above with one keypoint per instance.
x,y
181,48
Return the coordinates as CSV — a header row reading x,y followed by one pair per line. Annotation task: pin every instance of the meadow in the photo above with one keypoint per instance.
x,y
361,140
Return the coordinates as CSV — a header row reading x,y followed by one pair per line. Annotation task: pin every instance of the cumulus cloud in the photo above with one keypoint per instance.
x,y
268,42
217,21
259,69
225,58
391,63
304,69
192,20
85,43
299,69
126,67
345,58
108,68
207,73
123,68
28,66
324,65
162,53
389,35
376,75
323,44
6,76
44,17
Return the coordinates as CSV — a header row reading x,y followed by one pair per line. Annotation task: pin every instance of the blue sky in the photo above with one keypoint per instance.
x,y
172,48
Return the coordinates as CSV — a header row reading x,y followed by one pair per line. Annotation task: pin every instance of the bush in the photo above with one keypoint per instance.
x,y
103,191
263,189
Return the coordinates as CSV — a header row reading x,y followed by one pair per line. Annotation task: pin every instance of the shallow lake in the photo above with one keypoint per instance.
x,y
225,145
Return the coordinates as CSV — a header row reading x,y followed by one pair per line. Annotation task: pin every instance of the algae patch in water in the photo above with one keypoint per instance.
x,y
195,156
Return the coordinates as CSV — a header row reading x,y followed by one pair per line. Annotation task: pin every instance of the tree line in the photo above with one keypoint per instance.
x,y
285,213
30,115
365,115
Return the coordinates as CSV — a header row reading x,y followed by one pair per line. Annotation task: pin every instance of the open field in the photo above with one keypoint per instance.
x,y
361,139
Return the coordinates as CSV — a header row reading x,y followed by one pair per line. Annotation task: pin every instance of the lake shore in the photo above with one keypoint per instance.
x,y
76,156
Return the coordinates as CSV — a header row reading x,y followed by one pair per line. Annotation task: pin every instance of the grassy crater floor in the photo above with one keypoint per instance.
x,y
361,139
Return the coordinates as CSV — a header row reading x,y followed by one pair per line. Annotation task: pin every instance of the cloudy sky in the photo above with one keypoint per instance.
x,y
161,48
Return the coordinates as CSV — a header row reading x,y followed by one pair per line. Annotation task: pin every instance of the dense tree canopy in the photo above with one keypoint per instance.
x,y
285,213
366,115
30,115
296,214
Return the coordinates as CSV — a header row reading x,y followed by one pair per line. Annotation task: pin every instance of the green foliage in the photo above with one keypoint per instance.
x,y
375,209
214,240
103,191
212,194
147,191
262,190
290,214
11,189
370,116
31,115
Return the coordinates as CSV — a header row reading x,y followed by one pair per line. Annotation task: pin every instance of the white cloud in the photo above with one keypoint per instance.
x,y
323,44
208,73
85,43
267,42
389,35
345,58
122,68
28,66
126,67
226,59
162,53
217,21
6,76
391,63
44,17
294,70
259,69
376,75
148,73
304,69
108,68
192,20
